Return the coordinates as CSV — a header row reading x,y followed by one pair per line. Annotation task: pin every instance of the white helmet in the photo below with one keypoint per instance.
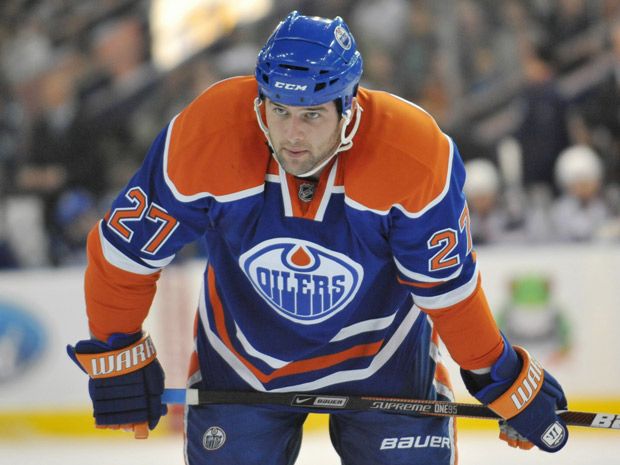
x,y
482,178
577,163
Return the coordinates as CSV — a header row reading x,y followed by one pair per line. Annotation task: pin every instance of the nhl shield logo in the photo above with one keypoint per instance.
x,y
306,191
302,281
214,438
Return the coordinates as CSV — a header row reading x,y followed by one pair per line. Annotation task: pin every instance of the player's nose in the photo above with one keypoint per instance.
x,y
293,130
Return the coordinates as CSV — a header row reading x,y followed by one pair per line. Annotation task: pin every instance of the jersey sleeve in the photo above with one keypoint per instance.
x,y
435,259
145,227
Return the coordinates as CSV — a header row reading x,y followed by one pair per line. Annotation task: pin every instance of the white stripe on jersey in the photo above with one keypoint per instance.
x,y
286,196
251,350
422,277
335,378
443,390
449,298
367,326
120,260
224,352
378,361
328,193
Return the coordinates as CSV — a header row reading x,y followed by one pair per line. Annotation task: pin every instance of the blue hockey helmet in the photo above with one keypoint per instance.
x,y
309,61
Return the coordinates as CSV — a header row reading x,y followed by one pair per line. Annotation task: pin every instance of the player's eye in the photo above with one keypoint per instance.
x,y
279,111
313,115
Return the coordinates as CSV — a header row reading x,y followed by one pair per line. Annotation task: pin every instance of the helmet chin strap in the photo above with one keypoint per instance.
x,y
346,140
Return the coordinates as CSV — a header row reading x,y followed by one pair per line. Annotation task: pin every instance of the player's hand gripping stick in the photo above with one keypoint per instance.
x,y
520,391
126,381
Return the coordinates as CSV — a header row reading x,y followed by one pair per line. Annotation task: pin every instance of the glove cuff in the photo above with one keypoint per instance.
x,y
118,362
523,390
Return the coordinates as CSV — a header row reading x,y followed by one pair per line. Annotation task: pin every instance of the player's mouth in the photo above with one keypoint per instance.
x,y
294,152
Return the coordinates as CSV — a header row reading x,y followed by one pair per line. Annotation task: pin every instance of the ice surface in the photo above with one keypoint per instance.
x,y
475,448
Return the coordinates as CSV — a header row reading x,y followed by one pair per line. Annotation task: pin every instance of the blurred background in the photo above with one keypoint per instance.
x,y
528,89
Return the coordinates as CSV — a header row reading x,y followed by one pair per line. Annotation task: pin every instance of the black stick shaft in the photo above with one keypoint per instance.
x,y
332,403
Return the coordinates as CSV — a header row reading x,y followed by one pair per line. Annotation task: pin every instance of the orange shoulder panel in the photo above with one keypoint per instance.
x,y
469,331
399,155
215,144
117,301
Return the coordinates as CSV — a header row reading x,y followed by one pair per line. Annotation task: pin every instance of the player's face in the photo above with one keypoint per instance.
x,y
303,137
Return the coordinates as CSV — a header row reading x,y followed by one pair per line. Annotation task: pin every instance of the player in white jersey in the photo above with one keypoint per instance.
x,y
339,253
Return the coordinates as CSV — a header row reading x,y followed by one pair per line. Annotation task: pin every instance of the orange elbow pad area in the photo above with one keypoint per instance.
x,y
117,301
469,331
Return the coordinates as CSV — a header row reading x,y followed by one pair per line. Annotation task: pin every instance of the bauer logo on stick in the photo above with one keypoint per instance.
x,y
606,420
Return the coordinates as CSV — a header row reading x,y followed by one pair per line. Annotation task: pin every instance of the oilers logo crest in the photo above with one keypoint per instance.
x,y
300,280
343,37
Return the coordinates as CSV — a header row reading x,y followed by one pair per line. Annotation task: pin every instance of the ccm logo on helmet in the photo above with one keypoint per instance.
x,y
288,86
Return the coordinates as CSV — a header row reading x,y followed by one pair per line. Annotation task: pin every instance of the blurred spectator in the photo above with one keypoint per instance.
x,y
476,59
12,137
8,259
417,51
12,133
380,23
75,214
517,27
80,97
536,214
120,81
601,113
543,131
50,163
489,220
27,52
24,230
121,66
568,19
580,212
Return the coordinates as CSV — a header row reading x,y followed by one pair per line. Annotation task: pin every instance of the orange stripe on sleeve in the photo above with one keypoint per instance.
x,y
420,284
443,375
117,301
469,331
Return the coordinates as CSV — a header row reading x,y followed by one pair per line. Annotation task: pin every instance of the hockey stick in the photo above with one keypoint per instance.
x,y
318,402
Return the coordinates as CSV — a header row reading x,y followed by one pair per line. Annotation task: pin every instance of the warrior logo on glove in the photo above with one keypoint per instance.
x,y
120,361
553,435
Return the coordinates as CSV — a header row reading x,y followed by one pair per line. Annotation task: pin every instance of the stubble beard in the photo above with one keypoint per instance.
x,y
297,167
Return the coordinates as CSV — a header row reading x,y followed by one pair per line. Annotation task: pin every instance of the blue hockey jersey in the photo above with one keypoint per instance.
x,y
298,294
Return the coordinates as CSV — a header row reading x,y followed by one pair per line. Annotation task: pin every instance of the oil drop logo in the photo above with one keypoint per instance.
x,y
300,280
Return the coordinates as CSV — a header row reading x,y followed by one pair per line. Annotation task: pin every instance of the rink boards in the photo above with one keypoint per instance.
x,y
560,302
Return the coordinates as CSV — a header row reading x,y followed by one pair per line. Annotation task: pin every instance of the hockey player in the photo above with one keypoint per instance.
x,y
338,253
